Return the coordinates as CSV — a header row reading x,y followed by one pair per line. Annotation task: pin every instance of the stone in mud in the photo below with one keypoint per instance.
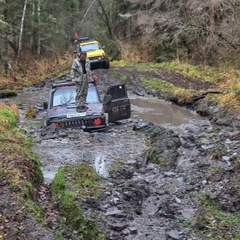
x,y
133,230
174,234
117,226
116,213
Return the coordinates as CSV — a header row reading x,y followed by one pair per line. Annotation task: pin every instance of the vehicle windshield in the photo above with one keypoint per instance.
x,y
90,47
66,97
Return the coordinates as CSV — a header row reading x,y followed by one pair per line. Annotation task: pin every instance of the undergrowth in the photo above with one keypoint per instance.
x,y
19,168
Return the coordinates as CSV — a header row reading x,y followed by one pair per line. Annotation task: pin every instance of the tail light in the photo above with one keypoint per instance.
x,y
57,125
97,121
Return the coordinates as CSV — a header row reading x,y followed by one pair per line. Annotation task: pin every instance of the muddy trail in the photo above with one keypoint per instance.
x,y
156,167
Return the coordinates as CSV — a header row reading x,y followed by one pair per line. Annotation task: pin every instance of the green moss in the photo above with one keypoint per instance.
x,y
59,183
219,225
7,93
72,184
152,156
162,162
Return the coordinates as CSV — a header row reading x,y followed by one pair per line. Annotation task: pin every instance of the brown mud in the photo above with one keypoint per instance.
x,y
162,172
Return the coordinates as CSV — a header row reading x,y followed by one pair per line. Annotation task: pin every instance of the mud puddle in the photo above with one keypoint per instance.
x,y
102,150
160,112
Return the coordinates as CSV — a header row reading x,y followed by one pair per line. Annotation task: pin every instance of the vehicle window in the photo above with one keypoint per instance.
x,y
118,92
67,96
90,47
64,97
92,96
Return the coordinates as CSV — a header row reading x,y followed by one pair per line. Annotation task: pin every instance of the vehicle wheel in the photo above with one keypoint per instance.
x,y
46,123
106,64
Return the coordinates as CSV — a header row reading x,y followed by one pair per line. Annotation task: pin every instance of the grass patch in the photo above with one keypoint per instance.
x,y
182,95
206,73
225,78
218,225
30,113
230,101
137,66
19,167
19,164
7,119
72,184
7,93
196,72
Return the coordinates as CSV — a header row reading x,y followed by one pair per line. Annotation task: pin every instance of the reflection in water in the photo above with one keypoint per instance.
x,y
100,166
49,172
160,112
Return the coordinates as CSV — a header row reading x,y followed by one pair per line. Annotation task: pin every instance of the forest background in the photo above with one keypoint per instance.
x,y
38,35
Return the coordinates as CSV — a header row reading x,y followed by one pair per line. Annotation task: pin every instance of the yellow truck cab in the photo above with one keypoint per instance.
x,y
95,53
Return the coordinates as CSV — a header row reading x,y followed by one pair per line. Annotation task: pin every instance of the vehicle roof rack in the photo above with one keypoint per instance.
x,y
68,83
85,39
63,84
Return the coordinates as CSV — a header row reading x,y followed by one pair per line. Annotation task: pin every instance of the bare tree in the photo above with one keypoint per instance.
x,y
32,23
39,24
21,29
105,18
202,31
87,12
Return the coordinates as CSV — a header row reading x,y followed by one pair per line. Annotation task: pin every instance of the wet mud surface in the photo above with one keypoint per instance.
x,y
154,166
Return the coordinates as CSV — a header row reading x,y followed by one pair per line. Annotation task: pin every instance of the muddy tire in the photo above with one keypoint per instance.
x,y
106,64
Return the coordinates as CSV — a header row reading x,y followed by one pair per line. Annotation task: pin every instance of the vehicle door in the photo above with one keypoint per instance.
x,y
116,103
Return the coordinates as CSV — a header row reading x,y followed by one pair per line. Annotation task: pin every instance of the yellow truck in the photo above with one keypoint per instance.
x,y
95,52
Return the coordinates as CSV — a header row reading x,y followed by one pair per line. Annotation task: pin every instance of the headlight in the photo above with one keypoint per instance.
x,y
101,58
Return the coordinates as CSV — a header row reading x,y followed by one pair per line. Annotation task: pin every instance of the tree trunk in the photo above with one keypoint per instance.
x,y
32,25
212,16
39,22
21,29
86,13
105,16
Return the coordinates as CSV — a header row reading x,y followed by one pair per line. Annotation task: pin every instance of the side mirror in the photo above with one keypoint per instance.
x,y
107,99
45,105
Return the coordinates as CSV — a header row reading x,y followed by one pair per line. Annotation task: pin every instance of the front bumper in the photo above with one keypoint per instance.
x,y
86,123
98,60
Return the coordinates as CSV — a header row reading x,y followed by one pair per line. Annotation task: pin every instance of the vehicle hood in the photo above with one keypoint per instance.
x,y
95,53
62,111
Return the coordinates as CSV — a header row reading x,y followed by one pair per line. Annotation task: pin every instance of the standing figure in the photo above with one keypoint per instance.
x,y
80,73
